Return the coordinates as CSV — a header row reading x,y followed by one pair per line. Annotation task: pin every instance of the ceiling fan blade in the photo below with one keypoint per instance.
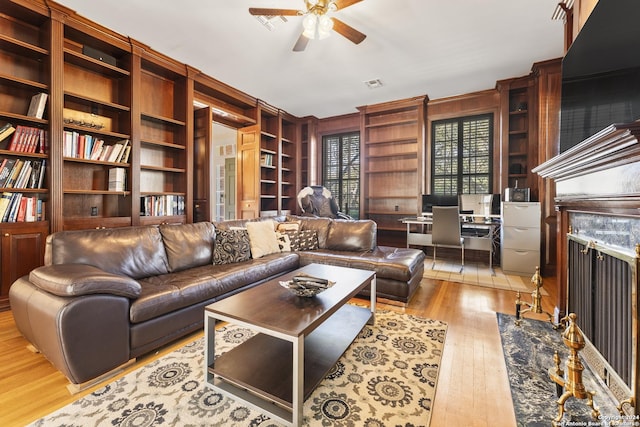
x,y
347,31
257,11
341,4
301,43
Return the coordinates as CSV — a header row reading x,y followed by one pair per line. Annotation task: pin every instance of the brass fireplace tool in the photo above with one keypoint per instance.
x,y
536,297
572,381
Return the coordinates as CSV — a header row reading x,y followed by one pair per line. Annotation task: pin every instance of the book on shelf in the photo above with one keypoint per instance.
x,y
117,179
26,139
12,210
37,105
16,207
162,205
13,175
5,200
24,174
6,131
5,170
266,159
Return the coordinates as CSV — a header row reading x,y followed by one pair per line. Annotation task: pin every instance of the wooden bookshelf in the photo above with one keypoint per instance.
x,y
393,152
25,58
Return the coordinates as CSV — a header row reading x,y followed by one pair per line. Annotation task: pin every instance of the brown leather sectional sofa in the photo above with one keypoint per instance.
x,y
105,297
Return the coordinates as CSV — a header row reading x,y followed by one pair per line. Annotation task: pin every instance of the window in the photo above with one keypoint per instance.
x,y
462,153
341,170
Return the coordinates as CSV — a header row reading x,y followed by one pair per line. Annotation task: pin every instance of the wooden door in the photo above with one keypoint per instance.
x,y
248,173
203,120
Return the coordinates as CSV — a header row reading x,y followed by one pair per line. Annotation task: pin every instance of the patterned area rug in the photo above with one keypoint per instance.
x,y
528,353
387,377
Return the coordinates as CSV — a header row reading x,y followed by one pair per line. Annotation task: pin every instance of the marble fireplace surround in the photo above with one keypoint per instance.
x,y
597,201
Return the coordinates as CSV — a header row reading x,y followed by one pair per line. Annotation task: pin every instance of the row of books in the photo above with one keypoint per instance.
x,y
16,207
79,146
266,159
162,205
25,139
21,173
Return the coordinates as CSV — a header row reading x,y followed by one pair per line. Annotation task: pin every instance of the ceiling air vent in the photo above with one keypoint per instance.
x,y
373,84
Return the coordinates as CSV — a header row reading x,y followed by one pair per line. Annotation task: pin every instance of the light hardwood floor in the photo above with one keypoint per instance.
x,y
472,389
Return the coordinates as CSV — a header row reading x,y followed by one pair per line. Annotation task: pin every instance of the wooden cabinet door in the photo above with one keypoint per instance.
x,y
22,250
248,172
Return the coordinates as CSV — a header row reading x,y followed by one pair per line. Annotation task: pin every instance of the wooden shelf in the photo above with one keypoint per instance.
x,y
94,101
162,119
394,141
162,169
163,144
23,82
84,61
22,48
391,123
98,192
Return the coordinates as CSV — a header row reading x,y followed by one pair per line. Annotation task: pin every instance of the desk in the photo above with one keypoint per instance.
x,y
480,236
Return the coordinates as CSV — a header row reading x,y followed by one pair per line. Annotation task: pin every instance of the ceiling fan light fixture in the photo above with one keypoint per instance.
x,y
310,25
325,25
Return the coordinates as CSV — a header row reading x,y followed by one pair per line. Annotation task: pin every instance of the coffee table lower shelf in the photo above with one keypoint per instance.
x,y
259,371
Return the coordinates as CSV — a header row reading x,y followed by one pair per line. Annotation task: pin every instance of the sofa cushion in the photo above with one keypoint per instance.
x,y
69,280
346,235
319,225
136,252
188,245
231,246
400,264
262,238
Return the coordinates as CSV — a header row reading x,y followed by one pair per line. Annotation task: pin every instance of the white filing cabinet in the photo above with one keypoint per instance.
x,y
520,237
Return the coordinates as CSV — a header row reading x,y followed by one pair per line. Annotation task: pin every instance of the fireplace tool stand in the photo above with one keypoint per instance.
x,y
572,381
536,301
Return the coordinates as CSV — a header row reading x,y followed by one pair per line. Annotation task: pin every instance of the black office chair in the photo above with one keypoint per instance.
x,y
445,230
317,200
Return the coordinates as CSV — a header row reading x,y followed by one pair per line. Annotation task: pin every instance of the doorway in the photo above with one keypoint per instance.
x,y
223,142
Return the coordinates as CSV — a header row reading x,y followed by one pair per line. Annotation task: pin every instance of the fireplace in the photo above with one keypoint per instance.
x,y
598,215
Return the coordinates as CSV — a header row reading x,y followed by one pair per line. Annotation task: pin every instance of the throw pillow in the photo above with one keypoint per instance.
x,y
231,246
284,242
288,226
305,240
262,238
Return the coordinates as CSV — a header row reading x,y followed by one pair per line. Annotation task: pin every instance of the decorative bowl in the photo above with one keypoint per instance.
x,y
306,287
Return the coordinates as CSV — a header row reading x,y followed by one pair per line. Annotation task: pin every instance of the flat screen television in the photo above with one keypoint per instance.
x,y
601,73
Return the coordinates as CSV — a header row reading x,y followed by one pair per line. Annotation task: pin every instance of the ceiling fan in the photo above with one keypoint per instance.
x,y
317,23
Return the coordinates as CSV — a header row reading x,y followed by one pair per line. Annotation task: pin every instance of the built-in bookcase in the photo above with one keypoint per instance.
x,y
269,162
97,130
163,145
393,154
25,64
288,161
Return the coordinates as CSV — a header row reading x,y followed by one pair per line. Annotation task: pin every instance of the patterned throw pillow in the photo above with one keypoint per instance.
x,y
231,246
284,241
305,240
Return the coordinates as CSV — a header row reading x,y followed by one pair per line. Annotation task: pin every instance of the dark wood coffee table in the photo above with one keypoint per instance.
x,y
298,339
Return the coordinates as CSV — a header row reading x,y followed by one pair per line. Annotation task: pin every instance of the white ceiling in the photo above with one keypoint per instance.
x,y
437,48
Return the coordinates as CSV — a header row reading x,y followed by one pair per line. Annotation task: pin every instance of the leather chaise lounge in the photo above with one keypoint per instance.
x,y
105,297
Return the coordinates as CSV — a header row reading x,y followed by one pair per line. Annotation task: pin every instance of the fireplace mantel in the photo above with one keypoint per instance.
x,y
606,165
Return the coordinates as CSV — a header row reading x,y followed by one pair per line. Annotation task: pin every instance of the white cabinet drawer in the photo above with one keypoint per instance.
x,y
521,238
525,214
520,261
